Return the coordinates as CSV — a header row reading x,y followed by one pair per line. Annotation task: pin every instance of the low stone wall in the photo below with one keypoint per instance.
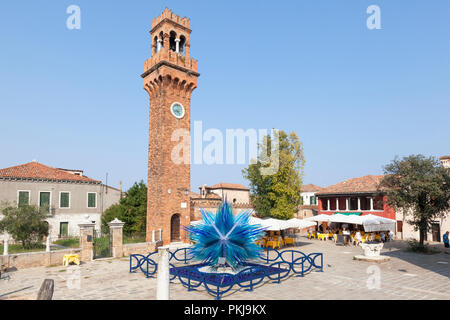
x,y
140,248
35,259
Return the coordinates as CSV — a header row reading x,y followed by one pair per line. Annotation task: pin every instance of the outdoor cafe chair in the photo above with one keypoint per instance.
x,y
273,244
289,241
322,236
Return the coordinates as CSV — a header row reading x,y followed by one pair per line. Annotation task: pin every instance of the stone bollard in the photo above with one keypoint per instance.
x,y
47,244
87,241
116,237
5,246
163,279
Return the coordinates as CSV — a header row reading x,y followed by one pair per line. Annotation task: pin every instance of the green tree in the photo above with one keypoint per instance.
x,y
420,188
132,210
25,223
276,176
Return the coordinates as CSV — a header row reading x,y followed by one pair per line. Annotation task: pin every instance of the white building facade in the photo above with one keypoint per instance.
x,y
70,197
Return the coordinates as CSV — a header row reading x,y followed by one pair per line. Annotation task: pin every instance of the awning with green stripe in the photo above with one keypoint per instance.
x,y
349,213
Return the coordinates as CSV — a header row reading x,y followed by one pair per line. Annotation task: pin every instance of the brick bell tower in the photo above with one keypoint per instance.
x,y
170,77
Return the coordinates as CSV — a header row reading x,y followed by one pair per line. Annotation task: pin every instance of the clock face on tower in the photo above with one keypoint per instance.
x,y
177,110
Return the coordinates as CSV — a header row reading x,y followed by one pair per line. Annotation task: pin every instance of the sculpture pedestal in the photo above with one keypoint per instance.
x,y
372,253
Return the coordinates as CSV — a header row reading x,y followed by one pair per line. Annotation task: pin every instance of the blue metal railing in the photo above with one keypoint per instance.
x,y
278,265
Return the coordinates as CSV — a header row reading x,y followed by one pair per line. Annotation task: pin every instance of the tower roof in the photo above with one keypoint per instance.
x,y
168,16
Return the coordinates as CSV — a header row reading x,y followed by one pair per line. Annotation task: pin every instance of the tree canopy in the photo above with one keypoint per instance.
x,y
420,188
25,223
132,210
276,176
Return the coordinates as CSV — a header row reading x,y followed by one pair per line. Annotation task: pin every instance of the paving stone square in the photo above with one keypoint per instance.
x,y
406,276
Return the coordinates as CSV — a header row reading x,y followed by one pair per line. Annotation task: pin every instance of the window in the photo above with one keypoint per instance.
x,y
378,204
365,203
63,229
333,204
44,200
92,200
342,204
64,200
353,204
23,198
324,203
313,200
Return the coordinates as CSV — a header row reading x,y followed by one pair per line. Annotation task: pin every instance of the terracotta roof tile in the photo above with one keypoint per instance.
x,y
311,188
367,183
36,170
228,186
209,196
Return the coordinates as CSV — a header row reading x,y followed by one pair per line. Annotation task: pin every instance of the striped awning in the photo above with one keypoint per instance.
x,y
349,213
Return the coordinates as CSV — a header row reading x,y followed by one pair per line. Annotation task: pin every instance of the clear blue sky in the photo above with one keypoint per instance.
x,y
356,97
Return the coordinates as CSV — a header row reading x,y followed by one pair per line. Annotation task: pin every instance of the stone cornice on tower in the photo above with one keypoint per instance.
x,y
171,59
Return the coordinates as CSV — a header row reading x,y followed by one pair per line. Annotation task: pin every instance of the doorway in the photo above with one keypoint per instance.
x,y
436,232
175,228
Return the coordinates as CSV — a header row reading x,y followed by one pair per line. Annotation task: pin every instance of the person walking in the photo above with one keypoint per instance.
x,y
391,235
358,238
446,243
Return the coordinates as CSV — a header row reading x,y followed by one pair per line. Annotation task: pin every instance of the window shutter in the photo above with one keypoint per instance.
x,y
91,200
64,201
24,198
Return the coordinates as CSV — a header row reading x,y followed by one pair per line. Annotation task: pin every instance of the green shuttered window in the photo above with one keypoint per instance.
x,y
44,200
24,198
92,200
64,201
64,229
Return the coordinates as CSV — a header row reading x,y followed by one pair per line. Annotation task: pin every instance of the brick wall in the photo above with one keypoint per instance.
x,y
140,248
168,78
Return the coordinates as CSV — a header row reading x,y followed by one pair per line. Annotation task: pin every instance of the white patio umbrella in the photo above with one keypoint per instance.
x,y
342,218
300,224
272,224
319,218
373,223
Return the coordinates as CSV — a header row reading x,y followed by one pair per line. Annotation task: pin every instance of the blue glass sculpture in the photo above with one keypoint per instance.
x,y
223,236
